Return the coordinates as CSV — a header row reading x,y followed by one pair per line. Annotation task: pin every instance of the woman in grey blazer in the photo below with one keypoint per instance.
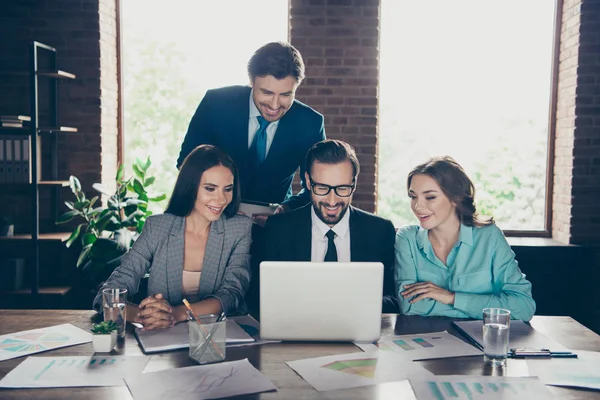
x,y
199,249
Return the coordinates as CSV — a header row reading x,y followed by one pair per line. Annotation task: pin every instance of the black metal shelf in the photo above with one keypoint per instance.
x,y
35,131
58,74
26,130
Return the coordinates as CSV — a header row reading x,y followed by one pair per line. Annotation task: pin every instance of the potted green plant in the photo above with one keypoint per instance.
x,y
6,226
104,336
108,231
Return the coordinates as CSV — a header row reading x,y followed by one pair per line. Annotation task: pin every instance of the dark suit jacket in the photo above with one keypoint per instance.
x,y
222,120
288,237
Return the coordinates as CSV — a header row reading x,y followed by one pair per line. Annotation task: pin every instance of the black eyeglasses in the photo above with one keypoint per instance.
x,y
321,189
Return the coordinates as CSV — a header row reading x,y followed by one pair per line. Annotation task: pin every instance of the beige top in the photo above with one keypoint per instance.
x,y
191,284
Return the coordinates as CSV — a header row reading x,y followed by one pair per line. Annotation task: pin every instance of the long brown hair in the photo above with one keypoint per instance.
x,y
456,185
185,191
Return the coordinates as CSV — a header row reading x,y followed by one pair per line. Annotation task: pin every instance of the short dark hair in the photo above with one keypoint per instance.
x,y
186,187
278,59
455,184
331,151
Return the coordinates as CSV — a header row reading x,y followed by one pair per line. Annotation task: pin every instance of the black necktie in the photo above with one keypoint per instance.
x,y
331,255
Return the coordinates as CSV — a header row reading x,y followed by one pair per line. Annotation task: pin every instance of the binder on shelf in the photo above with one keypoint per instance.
x,y
25,170
2,163
8,157
17,160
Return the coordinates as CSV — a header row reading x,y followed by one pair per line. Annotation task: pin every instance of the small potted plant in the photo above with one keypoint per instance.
x,y
104,336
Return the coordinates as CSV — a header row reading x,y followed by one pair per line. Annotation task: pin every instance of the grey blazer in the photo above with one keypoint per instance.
x,y
159,251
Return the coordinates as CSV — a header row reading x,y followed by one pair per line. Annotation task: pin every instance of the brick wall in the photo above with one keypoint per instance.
x,y
109,91
576,209
339,40
585,217
72,27
565,121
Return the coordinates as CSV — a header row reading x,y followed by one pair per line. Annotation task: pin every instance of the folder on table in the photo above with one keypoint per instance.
x,y
177,337
521,336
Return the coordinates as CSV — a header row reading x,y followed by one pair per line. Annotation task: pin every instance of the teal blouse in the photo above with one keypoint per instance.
x,y
481,270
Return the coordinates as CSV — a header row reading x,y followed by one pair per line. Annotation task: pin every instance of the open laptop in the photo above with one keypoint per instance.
x,y
325,301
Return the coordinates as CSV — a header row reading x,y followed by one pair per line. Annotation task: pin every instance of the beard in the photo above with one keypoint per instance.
x,y
328,219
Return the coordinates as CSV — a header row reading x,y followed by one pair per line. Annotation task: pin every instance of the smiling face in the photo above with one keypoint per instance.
x,y
273,97
214,193
330,208
429,203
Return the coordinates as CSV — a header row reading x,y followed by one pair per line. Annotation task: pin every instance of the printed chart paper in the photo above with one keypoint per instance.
x,y
457,387
33,341
73,371
583,371
213,381
423,346
356,369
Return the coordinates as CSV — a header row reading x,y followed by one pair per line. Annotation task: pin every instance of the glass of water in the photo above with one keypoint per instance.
x,y
496,325
114,302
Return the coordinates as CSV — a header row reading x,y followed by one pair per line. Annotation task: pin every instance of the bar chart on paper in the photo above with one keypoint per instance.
x,y
465,387
73,371
415,343
423,346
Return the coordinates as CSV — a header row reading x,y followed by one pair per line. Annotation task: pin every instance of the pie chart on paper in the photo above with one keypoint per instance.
x,y
34,341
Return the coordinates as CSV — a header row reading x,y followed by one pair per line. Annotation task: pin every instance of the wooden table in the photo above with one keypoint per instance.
x,y
271,358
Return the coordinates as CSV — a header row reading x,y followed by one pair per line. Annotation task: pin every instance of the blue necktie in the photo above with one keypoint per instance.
x,y
259,144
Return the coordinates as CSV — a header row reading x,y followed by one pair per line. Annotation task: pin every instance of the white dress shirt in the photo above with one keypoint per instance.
x,y
253,126
319,240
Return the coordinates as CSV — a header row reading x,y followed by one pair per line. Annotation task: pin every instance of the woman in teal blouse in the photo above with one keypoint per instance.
x,y
455,263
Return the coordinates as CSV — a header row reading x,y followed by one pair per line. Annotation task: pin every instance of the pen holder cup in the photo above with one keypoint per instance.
x,y
207,341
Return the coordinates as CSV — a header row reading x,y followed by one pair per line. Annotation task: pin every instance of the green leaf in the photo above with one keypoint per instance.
x,y
138,187
93,201
80,196
133,202
66,217
101,189
138,171
69,205
80,205
83,255
140,225
74,184
149,181
158,197
104,328
148,164
122,191
88,238
74,235
113,203
119,176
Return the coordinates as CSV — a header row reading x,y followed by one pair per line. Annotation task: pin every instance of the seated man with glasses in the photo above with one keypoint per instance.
x,y
330,229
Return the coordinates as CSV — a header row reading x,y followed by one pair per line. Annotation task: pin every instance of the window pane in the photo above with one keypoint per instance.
x,y
173,51
470,79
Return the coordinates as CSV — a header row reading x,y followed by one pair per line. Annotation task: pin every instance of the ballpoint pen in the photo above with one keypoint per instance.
x,y
541,353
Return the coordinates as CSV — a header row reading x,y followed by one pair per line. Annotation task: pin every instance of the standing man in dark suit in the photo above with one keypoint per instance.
x,y
262,127
330,229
